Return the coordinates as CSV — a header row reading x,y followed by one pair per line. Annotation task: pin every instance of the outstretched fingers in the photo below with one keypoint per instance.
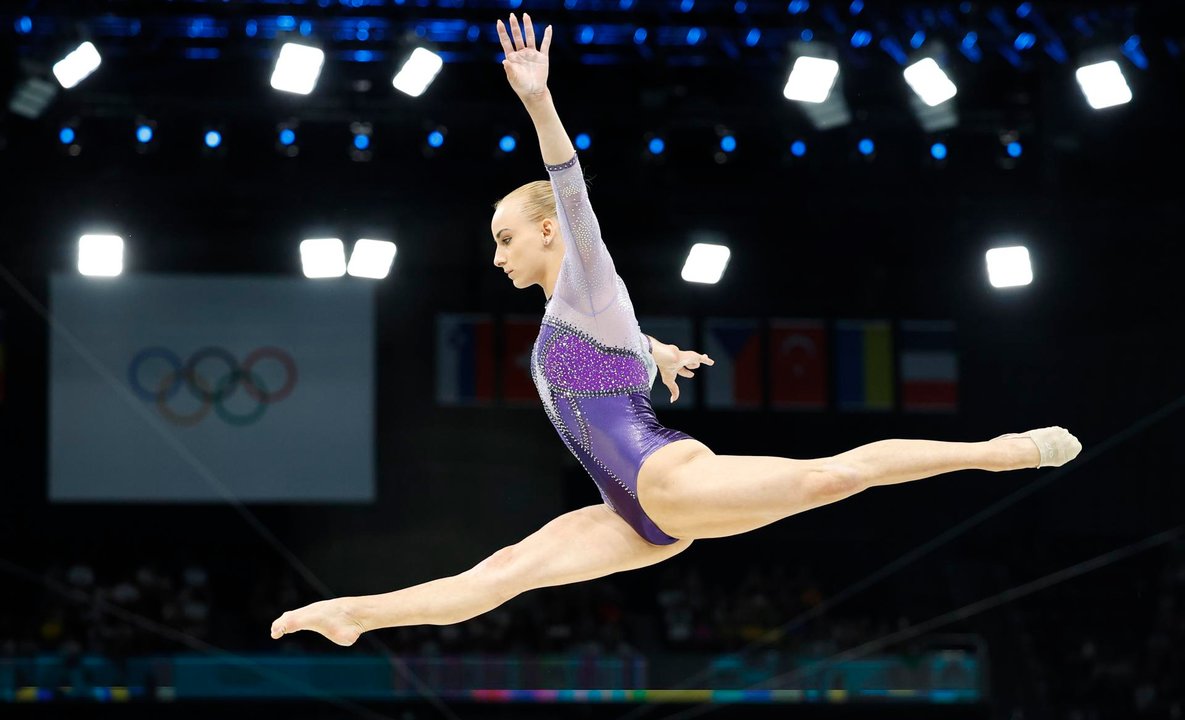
x,y
546,40
518,35
504,38
530,30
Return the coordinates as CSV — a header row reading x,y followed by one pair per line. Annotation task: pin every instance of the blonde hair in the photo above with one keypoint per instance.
x,y
538,200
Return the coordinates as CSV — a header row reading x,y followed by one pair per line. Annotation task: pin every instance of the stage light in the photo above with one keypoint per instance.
x,y
435,139
75,67
418,72
938,151
866,147
705,263
656,146
811,79
100,255
1009,266
286,138
932,101
929,82
583,141
798,148
753,37
507,144
1015,149
67,135
323,258
1103,84
297,68
814,84
728,143
144,134
212,139
371,259
361,143
31,97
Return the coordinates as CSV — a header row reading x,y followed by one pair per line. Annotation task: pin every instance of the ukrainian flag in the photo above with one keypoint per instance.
x,y
864,358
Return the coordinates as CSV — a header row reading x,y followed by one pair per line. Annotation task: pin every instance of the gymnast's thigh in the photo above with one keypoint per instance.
x,y
581,545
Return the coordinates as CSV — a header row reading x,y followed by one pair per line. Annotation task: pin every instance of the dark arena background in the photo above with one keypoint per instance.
x,y
1006,259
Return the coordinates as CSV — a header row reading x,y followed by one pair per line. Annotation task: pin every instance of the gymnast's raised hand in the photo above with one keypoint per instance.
x,y
526,67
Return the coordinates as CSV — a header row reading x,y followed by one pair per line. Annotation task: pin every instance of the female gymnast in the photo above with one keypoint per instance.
x,y
593,368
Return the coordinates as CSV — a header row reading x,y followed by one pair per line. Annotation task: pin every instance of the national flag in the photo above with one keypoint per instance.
x,y
464,359
519,335
929,366
864,360
735,381
797,364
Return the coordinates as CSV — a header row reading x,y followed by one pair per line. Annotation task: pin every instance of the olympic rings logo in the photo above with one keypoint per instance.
x,y
211,395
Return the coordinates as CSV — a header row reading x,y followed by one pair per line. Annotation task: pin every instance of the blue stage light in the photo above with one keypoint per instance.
x,y
66,136
287,136
740,7
918,39
798,148
1015,149
583,141
361,141
144,134
435,139
753,37
866,146
213,139
24,25
728,143
640,36
938,151
798,6
657,146
507,143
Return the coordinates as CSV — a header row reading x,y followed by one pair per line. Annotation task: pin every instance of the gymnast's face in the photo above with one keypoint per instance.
x,y
523,249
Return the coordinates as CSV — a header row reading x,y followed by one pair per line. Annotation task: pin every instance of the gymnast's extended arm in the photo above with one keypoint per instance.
x,y
526,70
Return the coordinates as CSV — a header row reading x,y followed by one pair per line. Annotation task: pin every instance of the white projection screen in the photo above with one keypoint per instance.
x,y
192,389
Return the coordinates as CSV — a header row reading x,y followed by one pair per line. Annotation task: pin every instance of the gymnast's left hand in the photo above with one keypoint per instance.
x,y
335,619
673,362
526,67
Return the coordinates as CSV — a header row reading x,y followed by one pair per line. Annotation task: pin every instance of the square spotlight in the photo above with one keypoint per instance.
x,y
371,259
705,263
323,258
100,255
297,68
929,82
1103,84
418,72
1009,266
811,79
75,67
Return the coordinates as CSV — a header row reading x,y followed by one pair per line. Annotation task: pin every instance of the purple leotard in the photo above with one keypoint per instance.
x,y
592,364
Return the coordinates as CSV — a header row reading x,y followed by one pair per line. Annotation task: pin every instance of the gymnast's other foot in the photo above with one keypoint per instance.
x,y
1049,447
331,618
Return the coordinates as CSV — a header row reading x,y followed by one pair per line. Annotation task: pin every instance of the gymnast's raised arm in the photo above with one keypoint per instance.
x,y
526,69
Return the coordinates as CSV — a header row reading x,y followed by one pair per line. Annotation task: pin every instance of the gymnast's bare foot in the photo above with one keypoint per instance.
x,y
332,618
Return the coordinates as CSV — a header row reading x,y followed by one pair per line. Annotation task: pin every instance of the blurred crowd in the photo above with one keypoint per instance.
x,y
1105,644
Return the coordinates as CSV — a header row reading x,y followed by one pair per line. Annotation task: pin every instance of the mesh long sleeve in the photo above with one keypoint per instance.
x,y
588,280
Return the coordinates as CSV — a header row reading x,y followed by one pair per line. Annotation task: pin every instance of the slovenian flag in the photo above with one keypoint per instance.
x,y
734,382
929,366
797,364
519,333
864,365
464,359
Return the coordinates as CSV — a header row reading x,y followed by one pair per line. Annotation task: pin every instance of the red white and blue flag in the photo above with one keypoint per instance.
x,y
929,366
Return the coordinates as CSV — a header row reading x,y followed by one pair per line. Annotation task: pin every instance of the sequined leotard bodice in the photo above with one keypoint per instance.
x,y
592,364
